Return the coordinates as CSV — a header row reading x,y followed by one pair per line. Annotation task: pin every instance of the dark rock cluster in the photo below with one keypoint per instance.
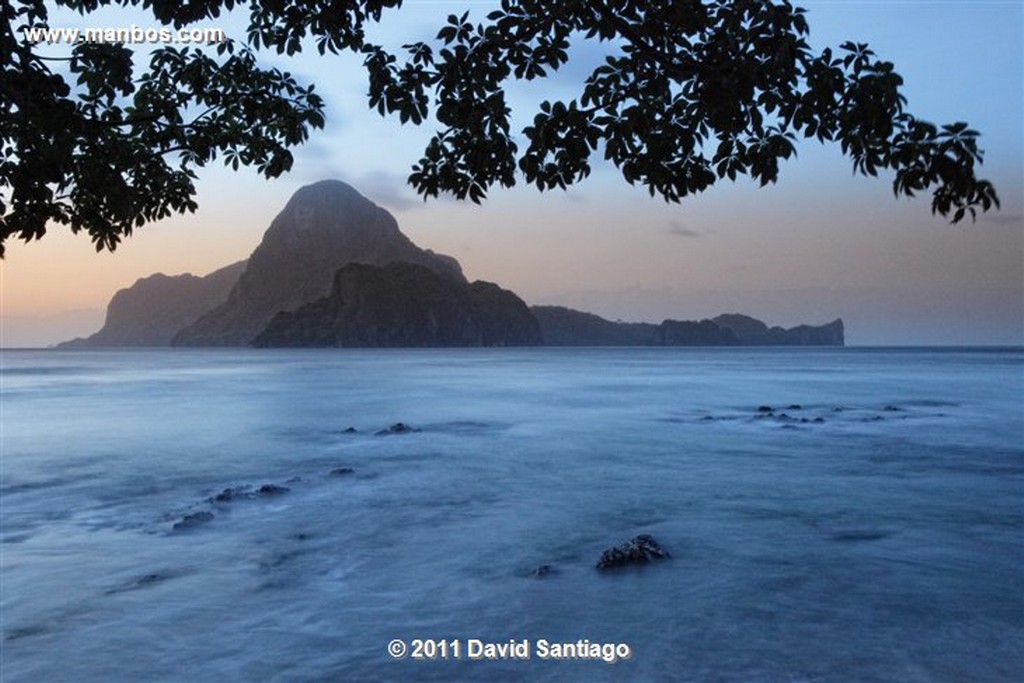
x,y
243,492
190,521
397,428
639,550
233,493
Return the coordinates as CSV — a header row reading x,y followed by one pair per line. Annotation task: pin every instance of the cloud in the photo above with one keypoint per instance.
x,y
1003,218
316,159
680,229
393,192
319,159
390,190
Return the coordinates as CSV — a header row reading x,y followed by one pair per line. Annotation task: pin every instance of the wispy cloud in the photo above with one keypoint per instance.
x,y
680,229
1003,218
390,190
393,191
316,160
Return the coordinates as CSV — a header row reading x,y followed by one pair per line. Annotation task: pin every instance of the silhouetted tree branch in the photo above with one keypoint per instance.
x,y
691,92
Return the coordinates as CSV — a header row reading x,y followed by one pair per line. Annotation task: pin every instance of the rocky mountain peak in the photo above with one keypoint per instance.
x,y
323,227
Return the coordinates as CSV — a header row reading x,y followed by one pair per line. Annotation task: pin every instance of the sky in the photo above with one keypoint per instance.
x,y
822,243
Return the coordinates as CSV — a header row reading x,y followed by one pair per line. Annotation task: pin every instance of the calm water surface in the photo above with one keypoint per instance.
x,y
874,533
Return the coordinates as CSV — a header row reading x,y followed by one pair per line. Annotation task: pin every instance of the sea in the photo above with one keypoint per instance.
x,y
831,514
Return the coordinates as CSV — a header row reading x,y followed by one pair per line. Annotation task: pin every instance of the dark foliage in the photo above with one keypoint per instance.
x,y
692,92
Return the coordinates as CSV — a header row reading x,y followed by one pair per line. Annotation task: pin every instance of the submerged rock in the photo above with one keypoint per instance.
x,y
397,428
765,409
341,471
639,550
860,535
231,493
192,520
137,583
542,571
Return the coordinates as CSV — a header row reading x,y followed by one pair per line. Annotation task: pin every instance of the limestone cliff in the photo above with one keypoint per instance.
x,y
566,327
323,227
753,332
151,311
563,326
405,304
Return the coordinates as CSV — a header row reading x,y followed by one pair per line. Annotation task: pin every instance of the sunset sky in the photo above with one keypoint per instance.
x,y
820,244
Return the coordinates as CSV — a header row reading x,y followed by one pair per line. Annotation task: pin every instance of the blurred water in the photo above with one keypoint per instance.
x,y
883,543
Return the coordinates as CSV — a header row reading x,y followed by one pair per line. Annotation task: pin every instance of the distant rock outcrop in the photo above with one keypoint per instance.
x,y
562,326
323,227
405,304
566,327
151,311
753,332
333,269
690,333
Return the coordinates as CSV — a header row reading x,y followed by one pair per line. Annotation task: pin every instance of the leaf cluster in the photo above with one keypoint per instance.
x,y
691,92
97,142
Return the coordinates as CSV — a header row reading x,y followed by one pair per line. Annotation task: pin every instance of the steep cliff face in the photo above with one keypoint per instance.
x,y
405,304
151,311
322,228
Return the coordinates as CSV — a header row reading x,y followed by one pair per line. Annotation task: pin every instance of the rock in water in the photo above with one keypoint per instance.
x,y
542,571
231,493
641,549
397,428
193,520
323,227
